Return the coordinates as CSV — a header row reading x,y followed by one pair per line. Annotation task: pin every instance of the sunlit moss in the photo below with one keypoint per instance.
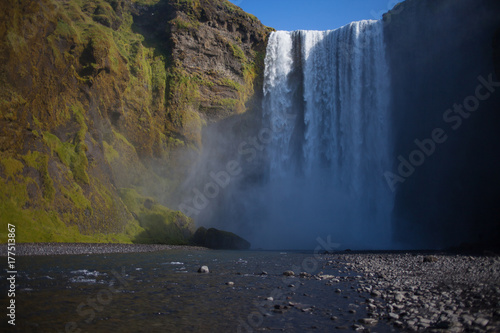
x,y
40,161
160,224
11,166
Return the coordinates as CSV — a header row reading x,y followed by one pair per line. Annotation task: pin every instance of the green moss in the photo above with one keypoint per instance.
x,y
173,142
65,30
11,166
183,24
159,75
110,153
184,94
70,154
146,2
75,193
230,83
17,42
94,44
237,52
120,137
228,102
40,161
161,225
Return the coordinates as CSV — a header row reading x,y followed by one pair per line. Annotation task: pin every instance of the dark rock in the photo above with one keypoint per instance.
x,y
288,273
443,324
430,259
148,203
219,239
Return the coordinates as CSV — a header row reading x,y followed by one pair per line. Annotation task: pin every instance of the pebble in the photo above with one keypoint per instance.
x,y
481,321
368,321
460,294
45,249
393,316
288,273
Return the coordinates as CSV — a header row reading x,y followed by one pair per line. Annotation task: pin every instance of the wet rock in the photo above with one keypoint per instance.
x,y
443,324
203,269
481,321
368,321
230,283
288,273
219,239
393,316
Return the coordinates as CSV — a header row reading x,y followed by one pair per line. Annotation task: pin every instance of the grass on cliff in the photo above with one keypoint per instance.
x,y
161,225
84,63
34,216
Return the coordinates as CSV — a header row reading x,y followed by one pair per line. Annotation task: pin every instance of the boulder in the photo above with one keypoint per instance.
x,y
203,269
219,239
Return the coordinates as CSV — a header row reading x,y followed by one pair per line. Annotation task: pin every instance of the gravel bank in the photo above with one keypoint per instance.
x,y
45,249
437,293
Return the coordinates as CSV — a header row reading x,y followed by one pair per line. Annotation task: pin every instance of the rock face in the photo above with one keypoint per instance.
x,y
218,239
439,54
102,104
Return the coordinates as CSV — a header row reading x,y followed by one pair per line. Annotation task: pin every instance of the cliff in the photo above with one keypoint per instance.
x,y
102,106
441,53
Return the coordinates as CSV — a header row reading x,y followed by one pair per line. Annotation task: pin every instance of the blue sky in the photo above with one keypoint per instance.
x,y
314,14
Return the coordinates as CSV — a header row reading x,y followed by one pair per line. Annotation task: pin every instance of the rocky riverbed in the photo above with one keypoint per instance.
x,y
452,293
41,249
257,290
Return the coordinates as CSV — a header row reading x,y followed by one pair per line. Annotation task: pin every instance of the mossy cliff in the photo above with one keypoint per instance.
x,y
101,102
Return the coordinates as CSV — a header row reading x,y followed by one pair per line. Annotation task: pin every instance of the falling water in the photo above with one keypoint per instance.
x,y
327,106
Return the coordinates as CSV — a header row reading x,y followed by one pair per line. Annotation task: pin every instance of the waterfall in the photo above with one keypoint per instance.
x,y
326,105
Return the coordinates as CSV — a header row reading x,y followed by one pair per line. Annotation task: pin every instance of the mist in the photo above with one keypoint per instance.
x,y
341,110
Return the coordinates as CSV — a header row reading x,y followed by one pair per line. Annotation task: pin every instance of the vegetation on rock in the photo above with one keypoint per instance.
x,y
98,101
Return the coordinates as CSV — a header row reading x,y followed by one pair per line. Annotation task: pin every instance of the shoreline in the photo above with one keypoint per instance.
x,y
441,292
49,249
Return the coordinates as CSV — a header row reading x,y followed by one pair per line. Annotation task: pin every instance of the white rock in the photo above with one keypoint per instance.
x,y
203,269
